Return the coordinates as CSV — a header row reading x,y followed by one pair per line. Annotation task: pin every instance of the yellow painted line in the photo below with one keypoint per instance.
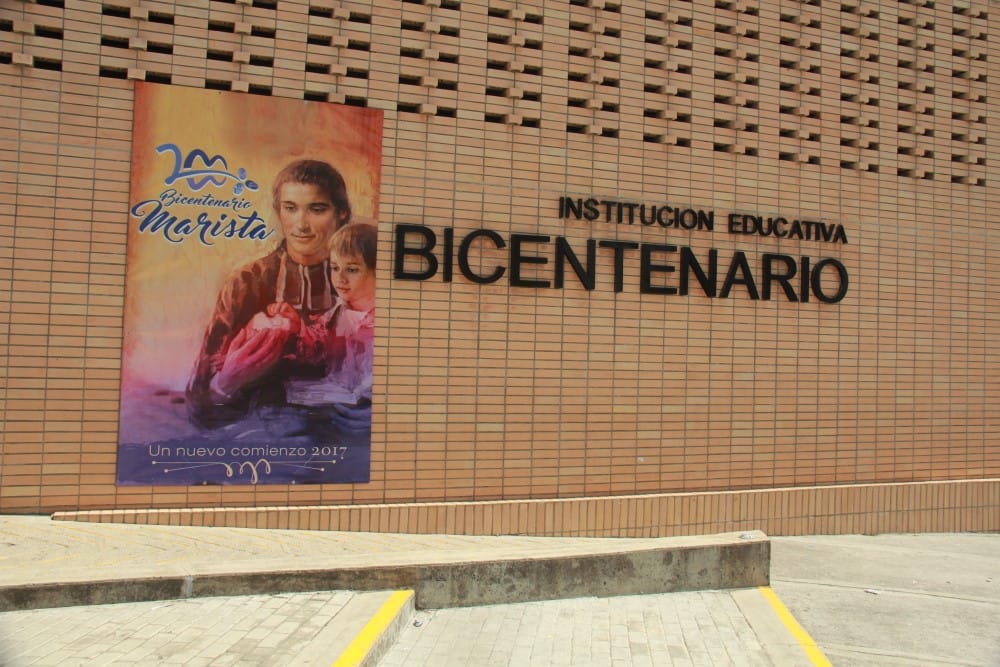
x,y
359,647
815,655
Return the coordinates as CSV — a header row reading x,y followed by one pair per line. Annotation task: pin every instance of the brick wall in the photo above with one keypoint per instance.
x,y
872,115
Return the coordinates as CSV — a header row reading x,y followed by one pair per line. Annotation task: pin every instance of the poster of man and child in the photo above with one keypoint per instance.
x,y
250,290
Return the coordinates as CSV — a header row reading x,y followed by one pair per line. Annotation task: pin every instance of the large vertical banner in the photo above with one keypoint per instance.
x,y
250,290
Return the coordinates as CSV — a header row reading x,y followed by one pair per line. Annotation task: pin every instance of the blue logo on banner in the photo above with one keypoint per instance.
x,y
200,170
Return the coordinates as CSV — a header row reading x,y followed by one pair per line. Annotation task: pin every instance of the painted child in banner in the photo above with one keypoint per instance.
x,y
244,360
342,339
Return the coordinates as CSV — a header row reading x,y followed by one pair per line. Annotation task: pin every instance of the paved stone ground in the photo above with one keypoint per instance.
x,y
249,630
897,600
697,628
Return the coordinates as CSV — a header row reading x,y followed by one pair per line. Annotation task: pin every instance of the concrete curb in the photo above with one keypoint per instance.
x,y
715,562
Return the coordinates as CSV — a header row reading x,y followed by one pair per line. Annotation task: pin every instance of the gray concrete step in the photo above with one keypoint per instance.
x,y
51,564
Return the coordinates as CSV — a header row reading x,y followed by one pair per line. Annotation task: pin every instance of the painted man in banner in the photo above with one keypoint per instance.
x,y
246,356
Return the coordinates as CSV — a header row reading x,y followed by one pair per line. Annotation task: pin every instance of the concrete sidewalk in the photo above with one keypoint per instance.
x,y
891,599
47,563
931,599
